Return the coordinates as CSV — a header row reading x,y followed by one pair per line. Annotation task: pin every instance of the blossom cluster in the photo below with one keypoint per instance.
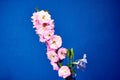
x,y
44,27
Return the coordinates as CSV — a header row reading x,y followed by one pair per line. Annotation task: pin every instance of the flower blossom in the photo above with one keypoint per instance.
x,y
55,66
42,39
46,36
52,56
42,18
44,15
55,42
44,27
64,72
35,19
62,53
41,15
81,63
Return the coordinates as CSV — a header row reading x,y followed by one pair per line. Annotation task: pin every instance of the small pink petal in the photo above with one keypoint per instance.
x,y
64,72
52,56
55,66
55,42
62,53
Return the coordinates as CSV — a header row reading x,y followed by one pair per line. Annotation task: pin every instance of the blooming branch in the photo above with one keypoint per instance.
x,y
44,27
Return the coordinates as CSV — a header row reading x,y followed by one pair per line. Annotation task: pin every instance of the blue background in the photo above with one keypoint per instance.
x,y
89,26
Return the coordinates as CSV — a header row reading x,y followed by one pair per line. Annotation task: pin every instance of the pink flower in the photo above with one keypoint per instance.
x,y
44,15
39,31
55,66
48,34
49,49
42,39
35,19
52,56
49,24
44,27
62,53
55,42
64,72
37,23
41,17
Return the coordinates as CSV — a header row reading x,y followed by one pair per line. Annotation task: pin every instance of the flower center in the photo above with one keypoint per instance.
x,y
53,56
49,35
65,71
45,24
43,17
54,42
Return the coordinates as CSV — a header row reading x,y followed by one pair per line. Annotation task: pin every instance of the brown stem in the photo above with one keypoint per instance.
x,y
70,78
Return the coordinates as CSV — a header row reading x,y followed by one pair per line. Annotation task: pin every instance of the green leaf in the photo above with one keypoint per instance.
x,y
68,65
72,53
68,53
36,9
73,71
60,64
